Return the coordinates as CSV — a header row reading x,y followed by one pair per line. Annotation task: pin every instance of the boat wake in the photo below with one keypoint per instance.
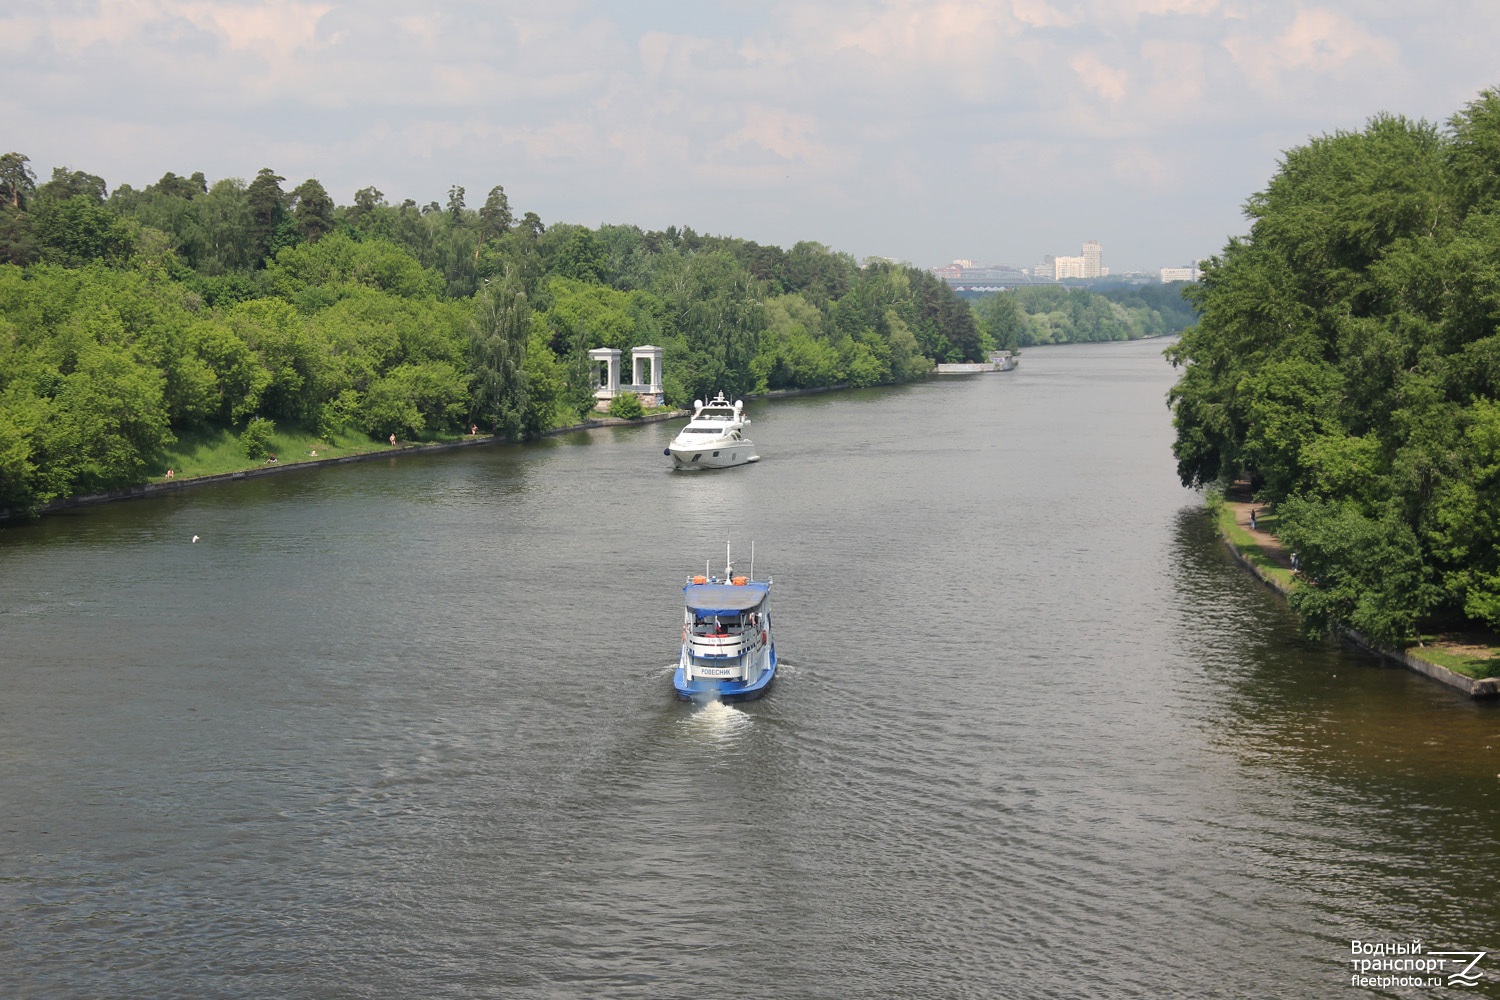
x,y
717,720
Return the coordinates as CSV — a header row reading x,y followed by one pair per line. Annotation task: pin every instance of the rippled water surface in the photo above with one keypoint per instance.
x,y
406,728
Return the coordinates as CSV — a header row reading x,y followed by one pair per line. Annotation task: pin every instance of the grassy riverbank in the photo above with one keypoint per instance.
x,y
218,451
1259,548
1474,654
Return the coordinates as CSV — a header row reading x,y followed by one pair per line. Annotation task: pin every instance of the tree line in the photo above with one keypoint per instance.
x,y
1057,314
130,317
1347,362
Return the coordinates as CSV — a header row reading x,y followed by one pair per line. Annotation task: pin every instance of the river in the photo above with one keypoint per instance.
x,y
406,728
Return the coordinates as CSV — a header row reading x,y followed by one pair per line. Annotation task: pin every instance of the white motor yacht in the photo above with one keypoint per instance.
x,y
714,437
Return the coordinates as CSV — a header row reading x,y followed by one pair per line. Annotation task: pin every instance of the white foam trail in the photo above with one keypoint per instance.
x,y
718,720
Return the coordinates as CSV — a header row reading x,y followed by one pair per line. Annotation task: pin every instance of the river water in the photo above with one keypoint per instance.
x,y
406,728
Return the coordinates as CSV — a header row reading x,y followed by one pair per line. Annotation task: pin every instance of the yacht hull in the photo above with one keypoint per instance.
x,y
718,455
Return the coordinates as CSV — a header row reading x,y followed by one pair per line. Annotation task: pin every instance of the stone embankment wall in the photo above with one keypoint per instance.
x,y
1487,688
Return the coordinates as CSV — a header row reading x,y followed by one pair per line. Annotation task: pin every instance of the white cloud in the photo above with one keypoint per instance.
x,y
1317,42
901,127
1104,81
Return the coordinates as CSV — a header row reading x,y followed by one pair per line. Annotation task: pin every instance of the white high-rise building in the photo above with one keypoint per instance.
x,y
1092,260
1071,267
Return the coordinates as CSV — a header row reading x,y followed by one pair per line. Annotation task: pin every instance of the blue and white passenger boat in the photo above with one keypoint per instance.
x,y
728,653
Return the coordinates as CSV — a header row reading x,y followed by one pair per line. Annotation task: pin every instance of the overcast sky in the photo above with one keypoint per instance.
x,y
925,130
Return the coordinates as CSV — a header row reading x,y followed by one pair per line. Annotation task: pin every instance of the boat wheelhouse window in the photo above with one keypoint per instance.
x,y
719,626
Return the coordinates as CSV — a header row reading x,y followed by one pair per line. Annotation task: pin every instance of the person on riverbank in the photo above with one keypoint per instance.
x,y
393,440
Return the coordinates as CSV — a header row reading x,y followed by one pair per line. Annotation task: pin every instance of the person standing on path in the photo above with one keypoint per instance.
x,y
1252,509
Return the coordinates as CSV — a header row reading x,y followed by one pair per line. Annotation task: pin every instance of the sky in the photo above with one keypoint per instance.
x,y
997,131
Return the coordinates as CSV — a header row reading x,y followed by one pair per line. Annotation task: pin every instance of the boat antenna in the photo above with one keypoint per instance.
x,y
728,561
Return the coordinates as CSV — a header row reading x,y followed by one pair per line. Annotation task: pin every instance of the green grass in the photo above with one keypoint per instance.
x,y
1252,550
1477,667
649,411
216,451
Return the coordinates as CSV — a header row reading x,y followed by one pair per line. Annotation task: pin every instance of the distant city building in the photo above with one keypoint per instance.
x,y
1088,266
1070,267
964,276
1092,259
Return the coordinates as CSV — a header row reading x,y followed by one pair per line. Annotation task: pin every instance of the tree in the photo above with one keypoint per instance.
x,y
498,337
546,381
106,423
17,182
1345,360
66,183
267,207
18,244
173,186
495,217
531,225
581,257
1001,320
79,229
313,210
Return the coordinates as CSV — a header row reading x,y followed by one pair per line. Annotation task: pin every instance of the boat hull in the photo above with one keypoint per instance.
x,y
706,689
718,455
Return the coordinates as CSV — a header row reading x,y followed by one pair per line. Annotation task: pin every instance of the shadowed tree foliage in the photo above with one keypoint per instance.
x,y
1347,363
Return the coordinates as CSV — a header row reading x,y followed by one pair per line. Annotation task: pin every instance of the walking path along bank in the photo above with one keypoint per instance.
x,y
1274,568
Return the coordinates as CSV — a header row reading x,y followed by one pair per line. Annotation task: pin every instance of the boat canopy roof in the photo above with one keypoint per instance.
x,y
725,598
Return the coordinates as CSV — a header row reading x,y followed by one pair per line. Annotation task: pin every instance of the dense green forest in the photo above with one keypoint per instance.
x,y
1347,361
1057,314
128,318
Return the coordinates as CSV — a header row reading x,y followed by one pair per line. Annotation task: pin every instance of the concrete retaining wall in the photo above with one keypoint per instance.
x,y
1487,688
